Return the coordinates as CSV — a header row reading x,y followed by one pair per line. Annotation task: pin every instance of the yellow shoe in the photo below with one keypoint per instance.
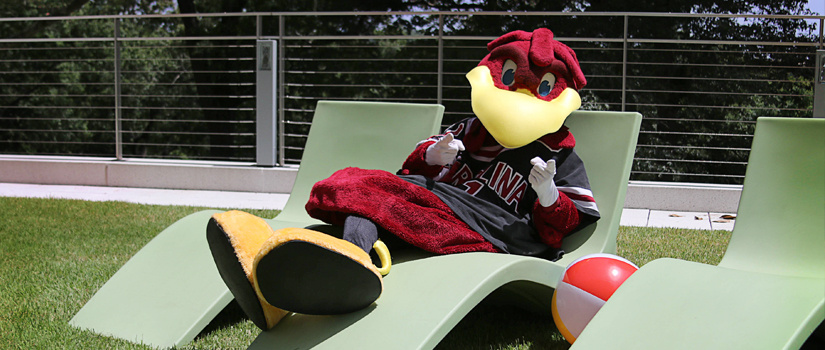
x,y
313,273
235,238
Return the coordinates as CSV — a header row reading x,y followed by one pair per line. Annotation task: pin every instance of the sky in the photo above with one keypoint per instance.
x,y
817,6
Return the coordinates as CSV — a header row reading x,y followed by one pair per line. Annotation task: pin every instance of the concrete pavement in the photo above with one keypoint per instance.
x,y
252,200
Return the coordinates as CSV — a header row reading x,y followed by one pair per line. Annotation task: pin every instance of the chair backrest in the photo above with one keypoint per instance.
x,y
780,224
369,135
606,142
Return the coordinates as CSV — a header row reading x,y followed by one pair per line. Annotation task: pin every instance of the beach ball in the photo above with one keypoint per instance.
x,y
584,287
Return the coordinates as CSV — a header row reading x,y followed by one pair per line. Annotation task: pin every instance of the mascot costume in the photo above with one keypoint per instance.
x,y
506,180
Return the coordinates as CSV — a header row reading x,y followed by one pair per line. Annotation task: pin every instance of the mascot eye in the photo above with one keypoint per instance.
x,y
546,85
508,73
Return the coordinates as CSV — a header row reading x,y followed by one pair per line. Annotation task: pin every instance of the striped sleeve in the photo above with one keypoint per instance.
x,y
575,207
571,179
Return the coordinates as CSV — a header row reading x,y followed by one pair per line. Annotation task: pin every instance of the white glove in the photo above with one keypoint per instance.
x,y
541,177
444,151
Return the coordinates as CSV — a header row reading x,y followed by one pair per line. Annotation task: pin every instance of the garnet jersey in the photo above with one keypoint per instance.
x,y
498,175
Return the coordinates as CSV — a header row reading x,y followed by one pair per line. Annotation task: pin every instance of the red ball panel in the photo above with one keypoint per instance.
x,y
600,276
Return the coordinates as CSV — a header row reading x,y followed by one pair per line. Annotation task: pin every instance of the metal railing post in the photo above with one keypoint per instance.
x,y
118,116
624,65
266,104
819,85
440,59
281,91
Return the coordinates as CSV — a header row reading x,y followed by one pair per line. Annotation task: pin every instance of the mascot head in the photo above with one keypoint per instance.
x,y
525,87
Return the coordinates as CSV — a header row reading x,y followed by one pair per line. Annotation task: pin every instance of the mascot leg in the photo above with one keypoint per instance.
x,y
360,231
235,238
313,273
364,233
292,269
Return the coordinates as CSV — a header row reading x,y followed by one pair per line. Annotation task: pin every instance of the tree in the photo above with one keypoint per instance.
x,y
40,79
699,96
700,112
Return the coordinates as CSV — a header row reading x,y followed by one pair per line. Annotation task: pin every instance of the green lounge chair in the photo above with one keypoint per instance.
x,y
170,290
425,297
767,292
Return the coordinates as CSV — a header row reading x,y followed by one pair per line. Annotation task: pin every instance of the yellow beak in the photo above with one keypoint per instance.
x,y
513,118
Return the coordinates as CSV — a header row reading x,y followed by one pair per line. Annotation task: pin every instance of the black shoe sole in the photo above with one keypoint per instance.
x,y
233,274
307,278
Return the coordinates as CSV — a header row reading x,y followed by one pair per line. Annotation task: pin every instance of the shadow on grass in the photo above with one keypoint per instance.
x,y
488,326
491,325
230,316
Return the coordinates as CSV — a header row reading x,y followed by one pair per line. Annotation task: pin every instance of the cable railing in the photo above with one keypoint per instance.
x,y
183,86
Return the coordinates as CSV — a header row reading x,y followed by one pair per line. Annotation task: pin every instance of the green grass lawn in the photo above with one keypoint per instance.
x,y
54,255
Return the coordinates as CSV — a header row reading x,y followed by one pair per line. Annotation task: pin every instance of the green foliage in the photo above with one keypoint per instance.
x,y
194,98
493,326
54,255
643,244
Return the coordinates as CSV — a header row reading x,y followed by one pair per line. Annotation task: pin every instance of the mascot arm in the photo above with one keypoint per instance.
x,y
556,221
416,163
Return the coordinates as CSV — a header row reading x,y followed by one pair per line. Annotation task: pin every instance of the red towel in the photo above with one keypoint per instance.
x,y
409,211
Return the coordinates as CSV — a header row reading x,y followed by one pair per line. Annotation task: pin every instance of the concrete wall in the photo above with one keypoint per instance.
x,y
680,196
230,176
189,175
